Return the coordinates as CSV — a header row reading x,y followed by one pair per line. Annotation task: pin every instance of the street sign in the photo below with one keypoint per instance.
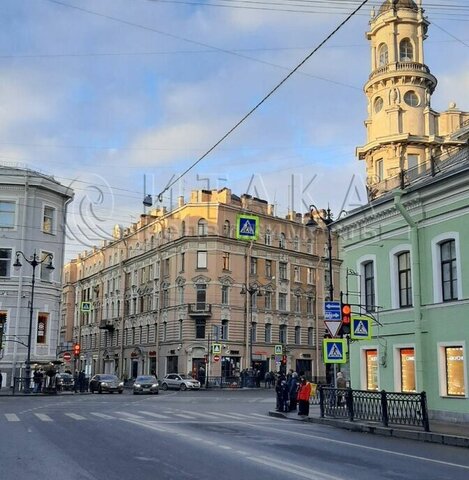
x,y
247,227
335,350
278,349
86,306
216,348
361,328
216,358
332,311
67,356
333,327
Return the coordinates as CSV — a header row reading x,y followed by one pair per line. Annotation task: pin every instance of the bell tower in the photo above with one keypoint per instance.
x,y
400,126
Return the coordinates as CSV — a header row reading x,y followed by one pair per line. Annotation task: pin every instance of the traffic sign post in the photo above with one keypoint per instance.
x,y
335,350
332,311
361,328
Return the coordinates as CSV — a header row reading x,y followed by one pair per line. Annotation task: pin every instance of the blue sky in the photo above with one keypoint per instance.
x,y
100,93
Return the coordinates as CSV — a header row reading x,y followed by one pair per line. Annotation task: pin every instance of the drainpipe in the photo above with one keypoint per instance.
x,y
417,298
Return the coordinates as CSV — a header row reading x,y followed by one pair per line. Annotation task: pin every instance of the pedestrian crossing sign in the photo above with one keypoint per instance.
x,y
86,306
361,328
334,350
216,349
247,227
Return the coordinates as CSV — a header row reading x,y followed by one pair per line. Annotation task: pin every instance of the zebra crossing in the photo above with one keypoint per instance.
x,y
173,416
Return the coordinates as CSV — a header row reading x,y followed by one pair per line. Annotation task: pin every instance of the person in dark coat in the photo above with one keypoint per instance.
x,y
293,391
82,381
285,395
279,392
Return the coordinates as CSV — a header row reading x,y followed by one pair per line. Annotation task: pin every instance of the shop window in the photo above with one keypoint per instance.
x,y
42,321
407,363
454,371
371,369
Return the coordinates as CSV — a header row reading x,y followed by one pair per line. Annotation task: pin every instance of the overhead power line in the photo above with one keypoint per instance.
x,y
292,72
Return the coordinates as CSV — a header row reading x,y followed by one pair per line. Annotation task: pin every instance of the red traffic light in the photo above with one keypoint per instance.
x,y
284,360
346,313
76,349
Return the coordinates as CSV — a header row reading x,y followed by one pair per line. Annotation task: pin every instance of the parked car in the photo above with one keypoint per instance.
x,y
146,384
104,382
181,382
64,382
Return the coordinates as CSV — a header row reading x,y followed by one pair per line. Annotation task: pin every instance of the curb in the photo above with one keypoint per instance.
x,y
429,437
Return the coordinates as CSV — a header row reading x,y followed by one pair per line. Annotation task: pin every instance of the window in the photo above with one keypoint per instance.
x,y
297,304
201,296
406,51
253,268
282,267
202,227
454,370
309,246
268,333
227,229
254,300
310,275
282,241
282,334
371,369
449,276
296,243
5,262
224,330
183,261
369,284
48,221
298,335
46,273
296,273
407,363
224,295
309,305
7,214
42,320
378,104
201,259
181,294
226,261
405,281
382,55
165,298
282,302
268,238
165,331
413,166
268,300
180,328
310,336
268,268
411,98
379,170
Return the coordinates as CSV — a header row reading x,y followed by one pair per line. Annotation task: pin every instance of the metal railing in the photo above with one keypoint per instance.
x,y
408,409
223,382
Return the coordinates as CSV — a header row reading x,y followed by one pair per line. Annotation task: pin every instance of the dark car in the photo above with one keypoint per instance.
x,y
105,382
146,384
64,382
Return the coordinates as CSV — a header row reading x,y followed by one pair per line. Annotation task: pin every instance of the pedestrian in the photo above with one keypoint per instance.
x,y
258,378
201,375
267,380
82,381
272,379
304,392
278,391
293,391
75,381
341,384
284,400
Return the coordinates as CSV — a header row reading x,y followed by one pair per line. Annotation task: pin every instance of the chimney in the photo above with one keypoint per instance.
x,y
180,201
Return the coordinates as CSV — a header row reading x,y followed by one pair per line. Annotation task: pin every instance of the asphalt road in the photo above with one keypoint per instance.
x,y
225,435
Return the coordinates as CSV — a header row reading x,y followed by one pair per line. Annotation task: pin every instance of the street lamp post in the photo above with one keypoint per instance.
x,y
34,261
250,290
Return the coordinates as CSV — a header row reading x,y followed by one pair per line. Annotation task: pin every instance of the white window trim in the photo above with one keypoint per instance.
x,y
15,220
360,268
363,378
397,365
436,264
54,219
394,267
442,367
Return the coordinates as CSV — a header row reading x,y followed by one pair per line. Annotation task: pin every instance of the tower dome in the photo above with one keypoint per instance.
x,y
390,4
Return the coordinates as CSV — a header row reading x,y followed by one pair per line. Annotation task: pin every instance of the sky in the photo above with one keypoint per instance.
x,y
117,98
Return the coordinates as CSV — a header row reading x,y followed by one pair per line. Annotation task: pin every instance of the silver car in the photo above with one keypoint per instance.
x,y
180,382
146,384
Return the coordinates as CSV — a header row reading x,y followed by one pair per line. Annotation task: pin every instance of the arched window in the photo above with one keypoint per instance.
x,y
406,51
202,227
281,241
411,98
383,56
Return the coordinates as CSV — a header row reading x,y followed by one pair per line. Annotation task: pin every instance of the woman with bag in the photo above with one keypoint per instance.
x,y
304,393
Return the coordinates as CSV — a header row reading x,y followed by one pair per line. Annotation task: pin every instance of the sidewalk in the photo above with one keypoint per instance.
x,y
454,434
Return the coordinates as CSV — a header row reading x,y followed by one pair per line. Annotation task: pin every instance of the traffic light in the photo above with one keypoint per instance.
x,y
346,318
76,349
284,360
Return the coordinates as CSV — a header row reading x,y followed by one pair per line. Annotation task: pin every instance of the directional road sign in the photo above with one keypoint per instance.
x,y
335,350
332,311
247,227
361,328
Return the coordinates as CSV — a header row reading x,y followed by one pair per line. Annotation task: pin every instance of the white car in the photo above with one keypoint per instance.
x,y
179,382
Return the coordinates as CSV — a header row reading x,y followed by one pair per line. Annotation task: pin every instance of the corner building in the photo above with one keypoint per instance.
x,y
168,287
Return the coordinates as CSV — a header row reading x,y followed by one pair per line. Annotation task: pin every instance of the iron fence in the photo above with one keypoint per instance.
x,y
223,382
409,409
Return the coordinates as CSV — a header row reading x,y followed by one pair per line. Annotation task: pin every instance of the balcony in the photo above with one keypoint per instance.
x,y
106,325
199,310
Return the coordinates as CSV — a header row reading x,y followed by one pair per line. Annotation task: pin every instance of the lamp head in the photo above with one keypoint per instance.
x,y
17,264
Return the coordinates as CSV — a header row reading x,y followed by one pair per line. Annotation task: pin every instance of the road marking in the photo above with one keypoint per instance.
x,y
75,416
102,415
182,415
43,417
198,414
225,447
259,415
129,415
361,447
151,414
222,415
12,417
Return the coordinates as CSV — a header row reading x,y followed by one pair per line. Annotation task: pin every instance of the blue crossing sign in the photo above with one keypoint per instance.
x,y
334,350
332,311
247,227
361,328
